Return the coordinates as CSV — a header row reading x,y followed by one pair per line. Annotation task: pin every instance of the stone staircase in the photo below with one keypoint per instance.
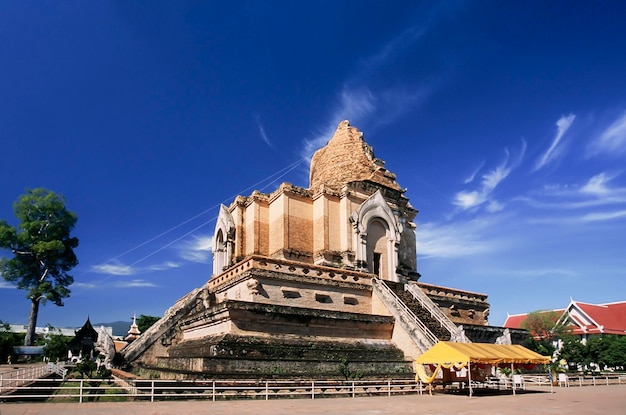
x,y
424,315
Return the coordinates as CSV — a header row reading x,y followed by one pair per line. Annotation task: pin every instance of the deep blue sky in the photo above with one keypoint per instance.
x,y
506,121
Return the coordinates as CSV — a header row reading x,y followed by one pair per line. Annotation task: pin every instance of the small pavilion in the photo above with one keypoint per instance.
x,y
471,362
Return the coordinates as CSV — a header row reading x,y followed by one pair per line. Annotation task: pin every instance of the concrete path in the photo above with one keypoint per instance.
x,y
604,400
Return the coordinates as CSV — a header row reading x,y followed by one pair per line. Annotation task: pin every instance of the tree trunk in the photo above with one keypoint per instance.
x,y
32,322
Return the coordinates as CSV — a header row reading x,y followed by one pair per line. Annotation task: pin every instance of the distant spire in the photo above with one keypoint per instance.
x,y
133,332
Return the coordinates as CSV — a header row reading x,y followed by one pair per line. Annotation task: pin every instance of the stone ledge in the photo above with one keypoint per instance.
x,y
310,271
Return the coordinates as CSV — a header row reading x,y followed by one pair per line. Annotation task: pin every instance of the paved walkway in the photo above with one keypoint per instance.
x,y
604,400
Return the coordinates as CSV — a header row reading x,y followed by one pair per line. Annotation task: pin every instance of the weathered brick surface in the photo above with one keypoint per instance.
x,y
347,158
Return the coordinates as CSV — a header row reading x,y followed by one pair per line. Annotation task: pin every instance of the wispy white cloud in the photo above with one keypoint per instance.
x,y
164,266
119,269
395,46
455,239
197,250
468,200
472,176
612,140
595,192
113,269
494,206
604,216
535,272
574,220
134,284
555,150
259,124
86,285
353,105
358,100
589,201
597,185
490,180
362,106
6,284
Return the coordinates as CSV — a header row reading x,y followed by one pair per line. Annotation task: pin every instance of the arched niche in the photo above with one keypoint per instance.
x,y
376,236
223,241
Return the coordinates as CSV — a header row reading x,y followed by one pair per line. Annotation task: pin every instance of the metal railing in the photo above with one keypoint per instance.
x,y
436,312
13,379
406,313
102,390
57,369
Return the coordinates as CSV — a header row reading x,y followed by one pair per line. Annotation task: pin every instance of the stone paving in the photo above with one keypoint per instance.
x,y
604,400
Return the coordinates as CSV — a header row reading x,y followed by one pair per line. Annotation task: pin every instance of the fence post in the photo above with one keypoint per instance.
x,y
312,389
152,390
267,390
213,390
353,395
607,380
594,380
80,392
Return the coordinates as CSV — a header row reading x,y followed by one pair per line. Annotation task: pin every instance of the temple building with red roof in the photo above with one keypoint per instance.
x,y
584,318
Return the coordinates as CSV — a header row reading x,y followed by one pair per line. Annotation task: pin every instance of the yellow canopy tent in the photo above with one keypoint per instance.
x,y
460,355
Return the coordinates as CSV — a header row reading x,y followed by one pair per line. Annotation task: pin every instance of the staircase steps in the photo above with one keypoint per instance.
x,y
424,315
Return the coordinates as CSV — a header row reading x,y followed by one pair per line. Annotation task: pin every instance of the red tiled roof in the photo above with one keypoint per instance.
x,y
608,318
515,321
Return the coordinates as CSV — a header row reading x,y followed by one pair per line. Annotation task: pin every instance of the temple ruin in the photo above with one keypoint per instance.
x,y
309,280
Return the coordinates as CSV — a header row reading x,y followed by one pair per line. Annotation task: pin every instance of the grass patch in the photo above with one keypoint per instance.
x,y
69,391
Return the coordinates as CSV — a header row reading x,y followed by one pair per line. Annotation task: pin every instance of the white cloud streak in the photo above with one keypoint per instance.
x,y
555,150
490,180
613,139
164,266
113,269
472,176
395,46
453,240
135,284
259,125
197,250
597,185
604,216
86,286
354,104
358,102
119,269
6,284
597,191
535,272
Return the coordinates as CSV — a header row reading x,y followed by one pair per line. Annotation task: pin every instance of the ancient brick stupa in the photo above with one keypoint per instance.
x,y
306,278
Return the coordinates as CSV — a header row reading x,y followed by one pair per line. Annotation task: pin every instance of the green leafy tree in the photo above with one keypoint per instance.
x,y
7,341
544,330
43,251
145,322
542,325
616,355
574,351
597,347
86,368
608,351
56,347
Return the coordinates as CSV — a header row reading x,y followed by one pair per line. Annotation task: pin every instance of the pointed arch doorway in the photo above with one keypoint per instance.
x,y
376,234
